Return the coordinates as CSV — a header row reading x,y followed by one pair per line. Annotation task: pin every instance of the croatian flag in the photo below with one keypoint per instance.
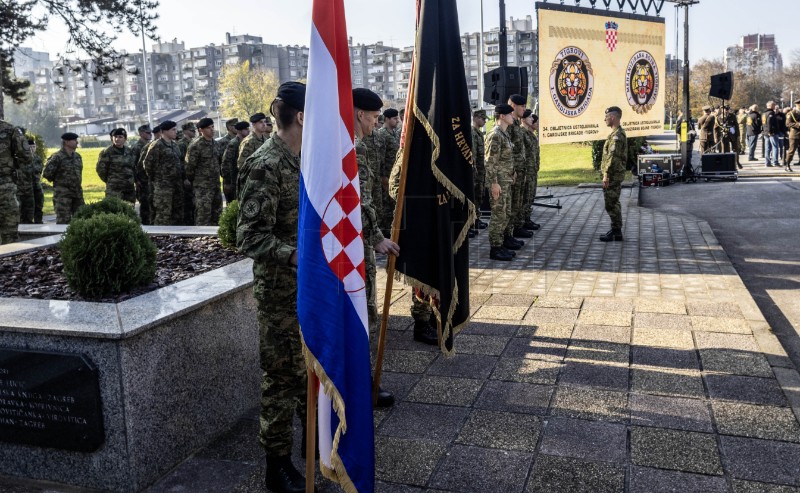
x,y
331,291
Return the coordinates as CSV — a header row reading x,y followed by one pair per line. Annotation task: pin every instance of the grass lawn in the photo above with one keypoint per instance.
x,y
93,187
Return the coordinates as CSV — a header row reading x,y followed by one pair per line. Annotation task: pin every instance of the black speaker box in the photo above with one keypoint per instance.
x,y
502,82
721,86
719,163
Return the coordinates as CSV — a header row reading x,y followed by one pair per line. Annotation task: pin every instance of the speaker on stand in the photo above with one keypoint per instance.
x,y
502,82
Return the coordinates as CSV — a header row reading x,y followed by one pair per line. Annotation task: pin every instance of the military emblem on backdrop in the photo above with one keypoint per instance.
x,y
642,82
611,35
571,81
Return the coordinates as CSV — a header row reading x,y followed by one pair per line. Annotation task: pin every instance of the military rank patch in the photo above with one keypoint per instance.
x,y
251,207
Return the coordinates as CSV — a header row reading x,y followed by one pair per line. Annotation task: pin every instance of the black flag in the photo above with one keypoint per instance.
x,y
439,206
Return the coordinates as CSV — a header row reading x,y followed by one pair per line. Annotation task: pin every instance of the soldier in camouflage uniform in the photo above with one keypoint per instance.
x,y
391,135
530,125
500,163
116,166
230,154
250,144
230,133
189,134
139,149
164,168
376,153
26,177
13,156
267,232
517,135
367,106
38,193
65,170
203,159
478,122
615,155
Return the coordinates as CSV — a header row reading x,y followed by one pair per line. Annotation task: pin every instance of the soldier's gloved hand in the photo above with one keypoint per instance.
x,y
388,246
496,190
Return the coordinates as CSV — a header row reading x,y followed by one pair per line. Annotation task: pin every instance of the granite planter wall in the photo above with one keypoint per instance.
x,y
176,367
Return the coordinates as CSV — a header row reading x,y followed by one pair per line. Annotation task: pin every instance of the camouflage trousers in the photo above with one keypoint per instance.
x,y
613,207
38,202
168,205
500,215
515,203
128,195
386,212
65,207
421,310
283,382
522,206
188,207
373,319
9,213
27,206
143,196
480,186
208,205
530,194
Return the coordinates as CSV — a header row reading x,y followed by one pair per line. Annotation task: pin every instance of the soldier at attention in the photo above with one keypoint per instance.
x,y
116,166
164,168
230,132
267,233
203,159
230,154
13,156
26,178
615,154
250,144
478,122
515,132
500,175
65,170
142,184
38,193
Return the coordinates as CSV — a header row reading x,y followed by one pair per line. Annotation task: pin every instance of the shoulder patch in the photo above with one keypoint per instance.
x,y
258,174
251,208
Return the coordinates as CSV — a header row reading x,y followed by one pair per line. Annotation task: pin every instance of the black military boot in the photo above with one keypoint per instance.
x,y
500,253
612,235
531,225
522,233
385,398
510,252
425,333
282,477
510,243
481,224
472,233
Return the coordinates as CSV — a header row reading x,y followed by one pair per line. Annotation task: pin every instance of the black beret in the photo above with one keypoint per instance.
x,y
168,125
614,109
366,100
205,122
241,125
535,118
144,128
157,129
119,131
390,113
257,117
503,109
232,122
517,99
526,113
69,136
293,94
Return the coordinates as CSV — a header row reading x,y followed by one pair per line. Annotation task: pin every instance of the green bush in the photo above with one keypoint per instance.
x,y
109,205
227,225
107,254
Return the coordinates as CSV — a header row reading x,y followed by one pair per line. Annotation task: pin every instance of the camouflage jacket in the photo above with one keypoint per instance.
x,y
267,224
14,153
116,167
224,140
27,174
203,162
520,159
66,173
478,150
369,217
37,166
615,154
392,144
793,123
229,156
183,144
249,145
498,157
376,152
531,149
163,164
139,147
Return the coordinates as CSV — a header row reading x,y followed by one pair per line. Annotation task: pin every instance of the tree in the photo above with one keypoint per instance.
x,y
755,82
246,91
700,83
92,26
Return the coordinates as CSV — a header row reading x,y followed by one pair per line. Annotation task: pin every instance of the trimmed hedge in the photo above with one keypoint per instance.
x,y
109,205
227,225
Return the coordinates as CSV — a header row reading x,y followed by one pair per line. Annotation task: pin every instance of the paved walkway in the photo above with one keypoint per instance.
x,y
644,366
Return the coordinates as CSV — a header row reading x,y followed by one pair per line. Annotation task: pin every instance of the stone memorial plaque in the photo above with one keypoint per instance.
x,y
50,400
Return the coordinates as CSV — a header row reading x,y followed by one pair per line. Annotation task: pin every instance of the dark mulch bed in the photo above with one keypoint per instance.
x,y
39,274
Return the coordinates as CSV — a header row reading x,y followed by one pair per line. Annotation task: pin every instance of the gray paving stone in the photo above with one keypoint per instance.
x,y
620,319
646,320
549,301
767,422
602,352
563,474
480,470
658,358
717,340
745,389
664,381
510,300
607,304
669,338
510,431
463,365
515,397
381,487
537,348
660,305
430,422
198,474
409,462
488,345
720,324
501,312
670,412
546,330
714,309
550,315
238,444
754,487
602,333
408,361
735,362
679,450
450,391
587,403
503,328
596,374
590,440
761,460
527,370
648,480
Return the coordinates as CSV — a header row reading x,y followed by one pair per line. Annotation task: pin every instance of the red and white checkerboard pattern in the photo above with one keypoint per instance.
x,y
611,39
340,234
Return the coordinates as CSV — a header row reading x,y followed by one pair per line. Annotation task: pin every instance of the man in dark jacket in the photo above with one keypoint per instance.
x,y
753,131
770,131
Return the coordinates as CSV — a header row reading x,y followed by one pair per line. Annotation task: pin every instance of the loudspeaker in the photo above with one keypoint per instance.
x,y
721,86
718,163
502,82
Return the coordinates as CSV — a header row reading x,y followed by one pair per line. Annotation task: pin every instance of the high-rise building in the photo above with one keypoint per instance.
x,y
755,52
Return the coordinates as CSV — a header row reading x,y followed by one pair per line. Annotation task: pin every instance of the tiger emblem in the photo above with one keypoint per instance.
x,y
642,82
571,81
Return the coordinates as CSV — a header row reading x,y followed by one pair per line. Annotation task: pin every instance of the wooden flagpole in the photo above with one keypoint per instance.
x,y
311,429
408,134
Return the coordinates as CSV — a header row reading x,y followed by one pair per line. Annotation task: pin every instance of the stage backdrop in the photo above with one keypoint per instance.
x,y
590,59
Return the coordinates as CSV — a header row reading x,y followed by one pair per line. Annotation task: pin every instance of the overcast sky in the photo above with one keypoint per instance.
x,y
714,24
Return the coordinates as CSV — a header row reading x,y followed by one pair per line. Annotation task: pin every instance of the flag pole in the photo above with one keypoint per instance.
x,y
408,133
311,428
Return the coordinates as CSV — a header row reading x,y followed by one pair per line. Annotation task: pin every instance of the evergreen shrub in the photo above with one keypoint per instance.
x,y
227,225
109,205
